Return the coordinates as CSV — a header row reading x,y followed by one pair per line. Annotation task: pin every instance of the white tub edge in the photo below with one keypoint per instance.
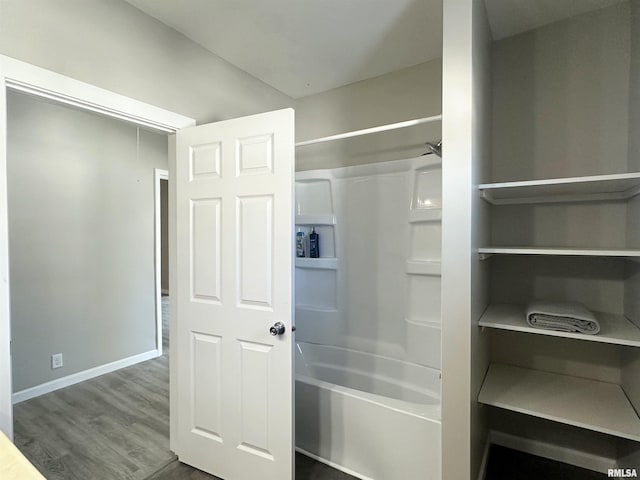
x,y
348,471
376,399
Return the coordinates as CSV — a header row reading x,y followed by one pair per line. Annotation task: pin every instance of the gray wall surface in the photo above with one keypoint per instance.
x,y
560,98
81,238
406,94
113,45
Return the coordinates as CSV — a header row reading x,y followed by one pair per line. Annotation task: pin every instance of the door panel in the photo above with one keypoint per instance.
x,y
234,205
255,252
205,249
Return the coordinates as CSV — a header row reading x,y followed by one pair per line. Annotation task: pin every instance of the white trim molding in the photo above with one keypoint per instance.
x,y
158,175
23,77
571,456
27,78
74,378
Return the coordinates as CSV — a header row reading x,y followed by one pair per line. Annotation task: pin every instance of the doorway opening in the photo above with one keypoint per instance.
x,y
82,242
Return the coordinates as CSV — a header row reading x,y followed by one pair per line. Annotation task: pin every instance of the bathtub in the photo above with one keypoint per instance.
x,y
372,417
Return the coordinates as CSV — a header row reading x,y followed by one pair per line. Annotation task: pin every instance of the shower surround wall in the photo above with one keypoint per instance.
x,y
368,318
376,287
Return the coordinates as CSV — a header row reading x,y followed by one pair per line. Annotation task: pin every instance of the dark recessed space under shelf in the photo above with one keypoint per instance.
x,y
507,464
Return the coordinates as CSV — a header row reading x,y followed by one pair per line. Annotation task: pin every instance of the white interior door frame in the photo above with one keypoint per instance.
x,y
158,176
27,78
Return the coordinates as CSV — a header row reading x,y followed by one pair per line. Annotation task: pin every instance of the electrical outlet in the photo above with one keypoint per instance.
x,y
56,360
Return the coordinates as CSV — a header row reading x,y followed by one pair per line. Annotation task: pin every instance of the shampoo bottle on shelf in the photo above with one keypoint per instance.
x,y
300,241
314,244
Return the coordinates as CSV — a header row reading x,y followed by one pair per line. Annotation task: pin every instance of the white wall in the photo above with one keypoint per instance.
x,y
113,45
466,137
81,238
406,94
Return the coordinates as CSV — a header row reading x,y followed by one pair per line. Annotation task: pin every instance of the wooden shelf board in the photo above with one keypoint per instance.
x,y
318,263
615,329
588,252
620,186
593,405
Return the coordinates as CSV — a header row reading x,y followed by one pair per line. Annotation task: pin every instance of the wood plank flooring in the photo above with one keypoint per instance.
x,y
116,427
306,469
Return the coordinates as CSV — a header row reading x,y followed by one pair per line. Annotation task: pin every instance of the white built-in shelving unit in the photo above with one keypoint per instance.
x,y
546,142
614,328
622,186
574,400
582,402
599,406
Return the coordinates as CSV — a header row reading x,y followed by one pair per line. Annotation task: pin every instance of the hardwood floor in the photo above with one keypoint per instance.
x,y
116,427
306,469
111,427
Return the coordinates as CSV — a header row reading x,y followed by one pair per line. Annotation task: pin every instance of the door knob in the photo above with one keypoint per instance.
x,y
277,329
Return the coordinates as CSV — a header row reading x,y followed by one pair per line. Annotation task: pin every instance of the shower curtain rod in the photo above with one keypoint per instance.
x,y
367,131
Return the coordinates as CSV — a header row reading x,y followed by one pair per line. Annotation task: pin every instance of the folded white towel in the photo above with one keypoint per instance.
x,y
562,317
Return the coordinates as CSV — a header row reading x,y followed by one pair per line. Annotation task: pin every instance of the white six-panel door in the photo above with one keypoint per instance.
x,y
234,209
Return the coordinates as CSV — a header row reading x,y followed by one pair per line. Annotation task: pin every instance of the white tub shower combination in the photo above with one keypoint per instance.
x,y
368,319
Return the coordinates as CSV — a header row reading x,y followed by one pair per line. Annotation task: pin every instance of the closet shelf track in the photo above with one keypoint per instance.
x,y
369,131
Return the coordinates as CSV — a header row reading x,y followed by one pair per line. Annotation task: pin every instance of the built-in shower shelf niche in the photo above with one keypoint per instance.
x,y
424,267
313,196
423,342
590,404
324,295
425,215
320,263
427,189
317,219
424,299
614,328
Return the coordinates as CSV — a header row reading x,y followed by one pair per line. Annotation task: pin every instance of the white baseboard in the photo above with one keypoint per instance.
x,y
74,378
553,452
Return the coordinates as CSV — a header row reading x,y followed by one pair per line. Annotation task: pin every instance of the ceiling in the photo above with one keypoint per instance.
x,y
302,47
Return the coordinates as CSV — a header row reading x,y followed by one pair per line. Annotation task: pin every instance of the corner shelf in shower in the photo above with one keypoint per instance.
x,y
622,186
425,215
424,267
319,263
590,404
615,329
314,220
